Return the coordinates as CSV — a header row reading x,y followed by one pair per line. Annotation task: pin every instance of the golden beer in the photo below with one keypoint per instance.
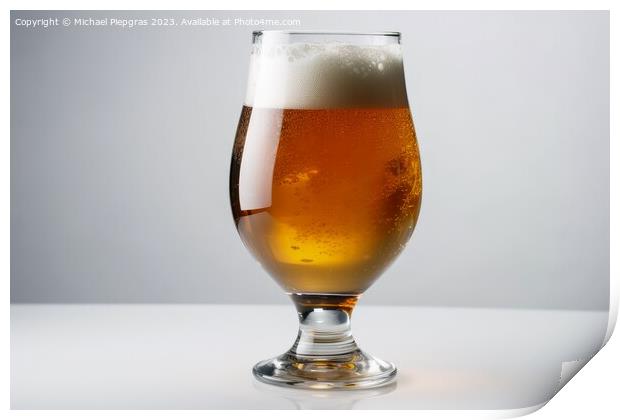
x,y
345,195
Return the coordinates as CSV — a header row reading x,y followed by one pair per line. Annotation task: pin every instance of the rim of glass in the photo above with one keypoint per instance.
x,y
325,32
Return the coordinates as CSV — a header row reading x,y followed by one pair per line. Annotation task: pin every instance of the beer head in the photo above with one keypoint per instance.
x,y
325,75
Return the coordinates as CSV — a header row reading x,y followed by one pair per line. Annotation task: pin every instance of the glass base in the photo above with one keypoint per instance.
x,y
356,370
325,355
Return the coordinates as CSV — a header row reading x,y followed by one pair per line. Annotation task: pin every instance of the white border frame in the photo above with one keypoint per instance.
x,y
593,394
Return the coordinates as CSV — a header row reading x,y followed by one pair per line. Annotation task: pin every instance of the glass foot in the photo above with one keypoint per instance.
x,y
325,355
356,370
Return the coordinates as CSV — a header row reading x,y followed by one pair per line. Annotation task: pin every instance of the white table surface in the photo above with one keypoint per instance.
x,y
200,357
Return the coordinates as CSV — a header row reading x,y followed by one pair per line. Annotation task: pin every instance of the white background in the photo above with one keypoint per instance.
x,y
121,143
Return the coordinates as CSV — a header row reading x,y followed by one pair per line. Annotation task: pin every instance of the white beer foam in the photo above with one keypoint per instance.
x,y
331,75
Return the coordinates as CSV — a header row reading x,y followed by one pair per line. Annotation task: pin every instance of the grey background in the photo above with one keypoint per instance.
x,y
120,146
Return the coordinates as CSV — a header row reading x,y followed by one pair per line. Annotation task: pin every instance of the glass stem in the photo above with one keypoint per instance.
x,y
324,326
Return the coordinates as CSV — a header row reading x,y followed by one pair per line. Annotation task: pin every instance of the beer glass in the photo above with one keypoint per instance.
x,y
325,188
